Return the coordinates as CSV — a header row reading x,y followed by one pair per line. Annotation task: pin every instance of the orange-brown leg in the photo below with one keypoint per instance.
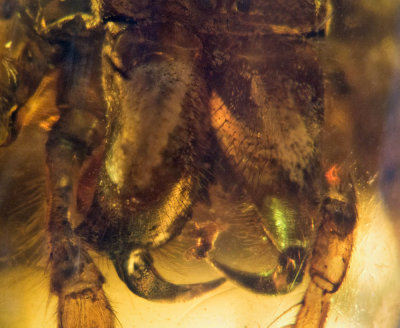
x,y
74,277
330,260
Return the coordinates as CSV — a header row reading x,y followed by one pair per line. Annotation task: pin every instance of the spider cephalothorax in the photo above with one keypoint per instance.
x,y
195,118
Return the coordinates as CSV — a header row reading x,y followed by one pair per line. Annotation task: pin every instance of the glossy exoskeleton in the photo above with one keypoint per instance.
x,y
192,117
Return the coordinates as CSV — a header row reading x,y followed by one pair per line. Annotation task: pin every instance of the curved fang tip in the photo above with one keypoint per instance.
x,y
143,279
288,273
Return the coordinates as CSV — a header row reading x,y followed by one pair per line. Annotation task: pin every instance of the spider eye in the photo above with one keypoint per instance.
x,y
8,8
207,4
320,34
243,5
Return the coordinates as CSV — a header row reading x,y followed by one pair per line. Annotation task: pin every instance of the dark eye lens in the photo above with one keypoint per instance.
x,y
207,4
243,5
315,34
7,8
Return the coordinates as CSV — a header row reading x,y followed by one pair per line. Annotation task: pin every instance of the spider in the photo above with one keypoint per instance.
x,y
193,118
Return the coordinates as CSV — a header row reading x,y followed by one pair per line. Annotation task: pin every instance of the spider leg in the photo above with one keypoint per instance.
x,y
74,277
142,278
330,258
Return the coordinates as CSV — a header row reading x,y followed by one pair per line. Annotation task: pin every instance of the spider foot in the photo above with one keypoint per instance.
x,y
87,308
77,282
